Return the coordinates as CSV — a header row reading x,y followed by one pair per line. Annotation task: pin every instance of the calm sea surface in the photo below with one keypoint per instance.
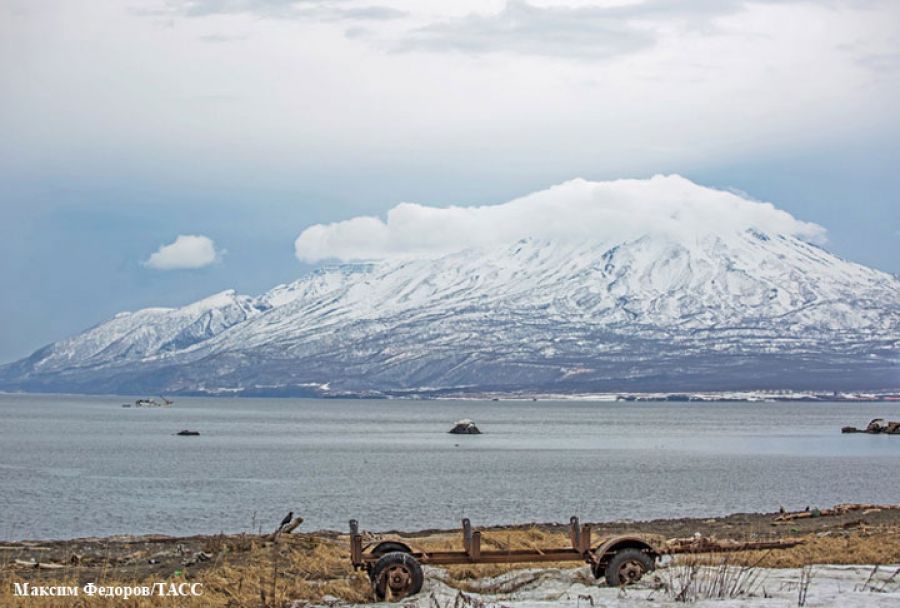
x,y
79,466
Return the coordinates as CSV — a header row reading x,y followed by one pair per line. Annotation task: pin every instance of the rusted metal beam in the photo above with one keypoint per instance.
x,y
575,533
585,539
356,550
498,557
467,534
471,540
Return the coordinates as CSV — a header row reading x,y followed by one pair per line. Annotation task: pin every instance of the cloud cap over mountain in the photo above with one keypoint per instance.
x,y
576,210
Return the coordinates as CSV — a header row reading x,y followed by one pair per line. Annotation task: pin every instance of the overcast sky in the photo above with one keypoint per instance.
x,y
156,151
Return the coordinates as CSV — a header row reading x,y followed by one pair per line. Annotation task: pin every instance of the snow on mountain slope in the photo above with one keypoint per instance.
x,y
752,280
136,336
667,310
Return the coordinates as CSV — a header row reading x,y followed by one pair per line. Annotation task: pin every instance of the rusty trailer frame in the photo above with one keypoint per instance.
x,y
395,567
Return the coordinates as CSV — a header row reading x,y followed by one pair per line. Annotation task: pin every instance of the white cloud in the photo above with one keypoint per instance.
x,y
576,210
187,251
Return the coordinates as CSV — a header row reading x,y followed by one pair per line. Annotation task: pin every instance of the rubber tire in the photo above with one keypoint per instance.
x,y
389,547
619,559
393,559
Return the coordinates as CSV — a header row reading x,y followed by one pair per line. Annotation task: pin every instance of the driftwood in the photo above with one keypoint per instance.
x,y
711,545
285,529
836,510
39,565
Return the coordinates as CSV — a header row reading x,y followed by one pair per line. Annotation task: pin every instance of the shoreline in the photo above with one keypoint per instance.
x,y
312,567
882,395
732,526
735,526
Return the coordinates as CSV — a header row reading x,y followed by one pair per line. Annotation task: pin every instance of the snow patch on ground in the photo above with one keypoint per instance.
x,y
830,586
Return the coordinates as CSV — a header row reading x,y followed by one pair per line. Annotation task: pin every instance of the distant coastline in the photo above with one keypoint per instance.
x,y
762,396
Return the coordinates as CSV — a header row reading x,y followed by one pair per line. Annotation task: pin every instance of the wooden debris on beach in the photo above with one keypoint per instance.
x,y
704,544
836,510
39,565
286,528
24,544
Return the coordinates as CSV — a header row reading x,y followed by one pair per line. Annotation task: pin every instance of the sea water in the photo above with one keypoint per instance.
x,y
73,466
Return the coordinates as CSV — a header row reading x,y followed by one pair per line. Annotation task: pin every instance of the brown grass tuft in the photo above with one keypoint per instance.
x,y
870,546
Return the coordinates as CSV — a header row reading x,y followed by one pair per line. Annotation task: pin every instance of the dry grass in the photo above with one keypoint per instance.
x,y
254,574
871,546
692,581
248,572
881,581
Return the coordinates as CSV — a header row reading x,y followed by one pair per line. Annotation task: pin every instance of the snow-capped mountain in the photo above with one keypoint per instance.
x,y
708,310
152,331
750,312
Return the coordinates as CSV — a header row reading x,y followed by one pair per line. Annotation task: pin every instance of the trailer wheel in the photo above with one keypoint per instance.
x,y
390,547
396,575
628,566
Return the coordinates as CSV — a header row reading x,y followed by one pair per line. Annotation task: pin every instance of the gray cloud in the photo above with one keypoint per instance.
x,y
371,12
882,63
525,29
221,38
590,32
326,10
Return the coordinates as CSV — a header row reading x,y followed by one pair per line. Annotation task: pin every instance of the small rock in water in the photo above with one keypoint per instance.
x,y
465,427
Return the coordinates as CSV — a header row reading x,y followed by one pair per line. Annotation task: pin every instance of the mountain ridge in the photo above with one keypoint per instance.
x,y
751,310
